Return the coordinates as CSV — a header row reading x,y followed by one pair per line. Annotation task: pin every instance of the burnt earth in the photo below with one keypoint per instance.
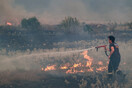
x,y
56,80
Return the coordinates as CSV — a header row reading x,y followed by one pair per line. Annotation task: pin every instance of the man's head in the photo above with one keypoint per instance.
x,y
111,39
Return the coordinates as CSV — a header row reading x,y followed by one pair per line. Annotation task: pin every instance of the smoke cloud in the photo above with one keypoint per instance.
x,y
53,11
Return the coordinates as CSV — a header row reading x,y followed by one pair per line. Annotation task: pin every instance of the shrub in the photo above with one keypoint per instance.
x,y
31,23
87,28
130,25
70,25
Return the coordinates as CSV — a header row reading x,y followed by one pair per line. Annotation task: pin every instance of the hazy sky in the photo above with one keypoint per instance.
x,y
53,11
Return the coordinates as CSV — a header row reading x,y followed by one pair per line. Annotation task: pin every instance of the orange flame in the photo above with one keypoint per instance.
x,y
63,67
73,71
42,69
101,68
48,68
8,23
79,67
100,63
90,60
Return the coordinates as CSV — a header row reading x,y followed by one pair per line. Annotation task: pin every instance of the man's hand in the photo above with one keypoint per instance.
x,y
109,57
107,49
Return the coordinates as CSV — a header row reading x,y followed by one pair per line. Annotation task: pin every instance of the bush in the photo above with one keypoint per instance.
x,y
31,23
87,28
130,25
69,25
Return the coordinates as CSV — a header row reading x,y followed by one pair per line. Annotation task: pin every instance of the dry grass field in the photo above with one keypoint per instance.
x,y
64,67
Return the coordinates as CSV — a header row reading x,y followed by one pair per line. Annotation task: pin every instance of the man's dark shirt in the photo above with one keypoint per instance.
x,y
116,53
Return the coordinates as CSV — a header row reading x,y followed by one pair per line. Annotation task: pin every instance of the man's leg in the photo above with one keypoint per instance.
x,y
116,65
110,69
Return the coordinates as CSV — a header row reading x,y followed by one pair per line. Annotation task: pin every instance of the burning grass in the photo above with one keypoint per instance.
x,y
59,69
78,66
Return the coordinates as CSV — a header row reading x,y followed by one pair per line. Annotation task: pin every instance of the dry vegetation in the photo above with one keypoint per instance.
x,y
23,69
26,49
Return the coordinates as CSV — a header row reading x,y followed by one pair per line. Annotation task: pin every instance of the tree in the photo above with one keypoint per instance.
x,y
70,24
24,23
31,23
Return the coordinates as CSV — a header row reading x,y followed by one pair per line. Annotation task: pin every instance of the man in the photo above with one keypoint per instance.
x,y
114,56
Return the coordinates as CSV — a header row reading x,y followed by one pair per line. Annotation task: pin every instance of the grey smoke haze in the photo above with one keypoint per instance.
x,y
53,11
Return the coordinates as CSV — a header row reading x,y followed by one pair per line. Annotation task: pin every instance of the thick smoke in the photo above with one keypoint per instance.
x,y
53,11
9,11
